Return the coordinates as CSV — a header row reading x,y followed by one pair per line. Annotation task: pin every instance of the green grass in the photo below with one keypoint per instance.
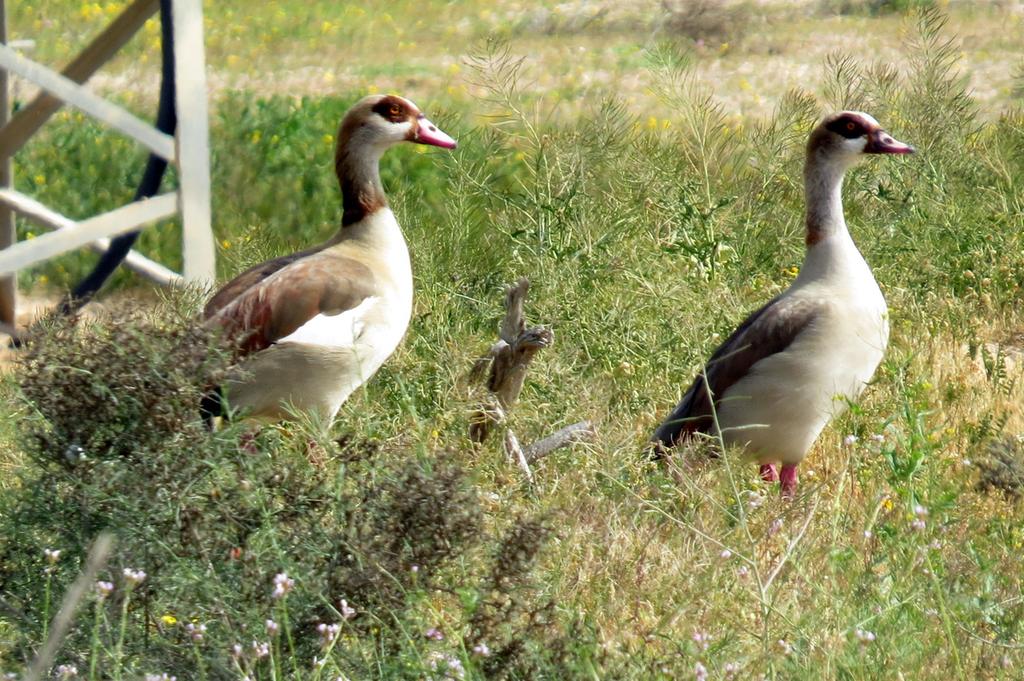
x,y
645,242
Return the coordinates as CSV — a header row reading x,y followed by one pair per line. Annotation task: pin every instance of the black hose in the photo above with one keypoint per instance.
x,y
166,122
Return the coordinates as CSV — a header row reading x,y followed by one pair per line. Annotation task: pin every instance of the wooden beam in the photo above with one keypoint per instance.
x,y
77,96
119,221
8,235
193,142
51,219
104,46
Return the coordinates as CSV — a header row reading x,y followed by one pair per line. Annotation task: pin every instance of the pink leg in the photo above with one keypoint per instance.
x,y
247,442
768,472
788,478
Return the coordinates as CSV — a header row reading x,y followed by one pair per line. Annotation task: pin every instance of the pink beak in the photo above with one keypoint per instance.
x,y
881,142
428,133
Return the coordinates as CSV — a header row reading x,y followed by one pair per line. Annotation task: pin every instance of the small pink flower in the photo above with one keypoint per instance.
x,y
702,639
347,611
481,649
918,525
700,672
726,554
272,627
104,589
434,634
260,650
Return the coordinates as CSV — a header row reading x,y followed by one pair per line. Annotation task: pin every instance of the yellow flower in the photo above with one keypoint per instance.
x,y
887,504
233,60
329,139
39,179
169,619
372,89
652,123
256,136
226,244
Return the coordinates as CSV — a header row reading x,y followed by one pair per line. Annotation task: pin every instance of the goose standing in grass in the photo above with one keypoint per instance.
x,y
314,326
792,365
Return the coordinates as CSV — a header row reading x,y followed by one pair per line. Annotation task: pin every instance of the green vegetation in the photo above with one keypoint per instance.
x,y
647,233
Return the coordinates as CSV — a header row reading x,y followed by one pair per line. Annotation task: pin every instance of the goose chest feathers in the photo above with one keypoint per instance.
x,y
792,365
313,326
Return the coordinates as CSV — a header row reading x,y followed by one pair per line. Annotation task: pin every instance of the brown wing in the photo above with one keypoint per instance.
x,y
282,302
764,333
249,278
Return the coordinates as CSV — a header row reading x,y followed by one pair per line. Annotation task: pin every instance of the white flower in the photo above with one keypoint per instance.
x,y
785,647
481,649
66,671
726,554
236,650
260,650
282,585
104,589
272,627
700,672
133,577
328,632
731,669
850,440
195,631
918,525
920,511
702,639
347,611
448,664
52,556
864,636
160,677
434,634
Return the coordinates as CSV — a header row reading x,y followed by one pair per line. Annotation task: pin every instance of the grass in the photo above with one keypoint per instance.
x,y
648,229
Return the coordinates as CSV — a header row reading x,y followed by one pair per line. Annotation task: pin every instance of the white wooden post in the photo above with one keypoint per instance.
x,y
193,141
8,284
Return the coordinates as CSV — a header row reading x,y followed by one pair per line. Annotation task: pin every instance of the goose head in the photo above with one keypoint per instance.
x,y
845,138
378,122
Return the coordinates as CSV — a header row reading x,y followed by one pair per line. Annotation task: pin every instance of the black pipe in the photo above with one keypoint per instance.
x,y
166,122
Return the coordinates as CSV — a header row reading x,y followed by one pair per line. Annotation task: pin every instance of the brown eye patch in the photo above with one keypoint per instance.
x,y
848,126
392,109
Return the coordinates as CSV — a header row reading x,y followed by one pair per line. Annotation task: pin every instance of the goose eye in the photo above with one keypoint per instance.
x,y
851,126
394,110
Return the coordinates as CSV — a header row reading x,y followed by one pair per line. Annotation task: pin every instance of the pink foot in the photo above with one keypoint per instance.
x,y
788,478
768,472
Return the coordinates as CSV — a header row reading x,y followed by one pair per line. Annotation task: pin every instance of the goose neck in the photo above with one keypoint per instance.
x,y
358,170
823,187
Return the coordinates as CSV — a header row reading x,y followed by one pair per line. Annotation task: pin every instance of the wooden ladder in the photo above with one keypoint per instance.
x,y
188,151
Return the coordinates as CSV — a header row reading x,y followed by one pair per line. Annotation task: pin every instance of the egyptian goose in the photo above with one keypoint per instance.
x,y
313,326
793,364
